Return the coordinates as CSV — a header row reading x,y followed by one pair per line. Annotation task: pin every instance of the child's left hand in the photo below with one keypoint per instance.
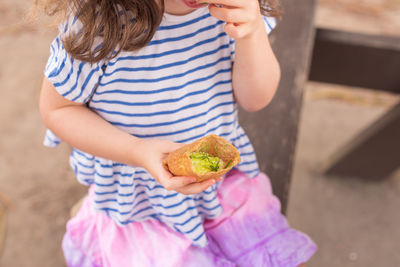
x,y
242,17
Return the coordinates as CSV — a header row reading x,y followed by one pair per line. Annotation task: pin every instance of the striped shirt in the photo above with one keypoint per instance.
x,y
179,88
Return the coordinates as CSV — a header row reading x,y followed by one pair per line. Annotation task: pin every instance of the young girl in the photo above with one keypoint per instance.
x,y
129,81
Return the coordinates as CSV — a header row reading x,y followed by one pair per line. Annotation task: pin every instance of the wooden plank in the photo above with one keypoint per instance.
x,y
273,131
374,154
353,59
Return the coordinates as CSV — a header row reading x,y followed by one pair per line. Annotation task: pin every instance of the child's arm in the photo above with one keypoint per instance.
x,y
82,128
256,71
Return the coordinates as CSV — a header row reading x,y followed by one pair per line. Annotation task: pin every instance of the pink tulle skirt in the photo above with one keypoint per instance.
x,y
250,232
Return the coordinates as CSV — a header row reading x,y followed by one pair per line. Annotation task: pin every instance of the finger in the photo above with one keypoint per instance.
x,y
228,14
196,188
171,146
170,182
176,145
235,30
177,182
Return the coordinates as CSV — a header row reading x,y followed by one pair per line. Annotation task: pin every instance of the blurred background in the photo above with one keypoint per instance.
x,y
354,221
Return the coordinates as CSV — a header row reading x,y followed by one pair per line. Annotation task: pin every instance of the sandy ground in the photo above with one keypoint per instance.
x,y
380,17
36,182
353,221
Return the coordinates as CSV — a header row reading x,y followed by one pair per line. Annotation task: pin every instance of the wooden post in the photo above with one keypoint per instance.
x,y
273,131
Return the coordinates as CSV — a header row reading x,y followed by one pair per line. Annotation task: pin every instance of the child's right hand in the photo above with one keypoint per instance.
x,y
154,152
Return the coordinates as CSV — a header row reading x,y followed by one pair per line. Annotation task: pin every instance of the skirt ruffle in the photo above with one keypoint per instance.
x,y
250,232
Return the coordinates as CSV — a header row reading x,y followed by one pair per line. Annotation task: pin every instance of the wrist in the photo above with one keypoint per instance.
x,y
136,151
257,39
257,30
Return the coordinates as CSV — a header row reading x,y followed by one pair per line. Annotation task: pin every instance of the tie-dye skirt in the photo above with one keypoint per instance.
x,y
250,232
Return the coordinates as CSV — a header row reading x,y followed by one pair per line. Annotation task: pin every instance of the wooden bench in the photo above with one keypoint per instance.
x,y
273,131
368,61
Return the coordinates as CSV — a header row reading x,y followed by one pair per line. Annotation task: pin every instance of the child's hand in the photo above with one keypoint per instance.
x,y
242,17
154,152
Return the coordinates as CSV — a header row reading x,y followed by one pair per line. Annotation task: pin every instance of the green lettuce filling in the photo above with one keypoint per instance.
x,y
203,162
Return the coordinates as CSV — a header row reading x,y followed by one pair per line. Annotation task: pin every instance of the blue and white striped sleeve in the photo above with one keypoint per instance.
x,y
73,79
270,24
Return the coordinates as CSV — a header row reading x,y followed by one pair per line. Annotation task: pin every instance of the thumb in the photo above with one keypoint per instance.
x,y
168,147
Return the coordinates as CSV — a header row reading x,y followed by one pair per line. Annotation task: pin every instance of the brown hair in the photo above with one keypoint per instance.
x,y
111,21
